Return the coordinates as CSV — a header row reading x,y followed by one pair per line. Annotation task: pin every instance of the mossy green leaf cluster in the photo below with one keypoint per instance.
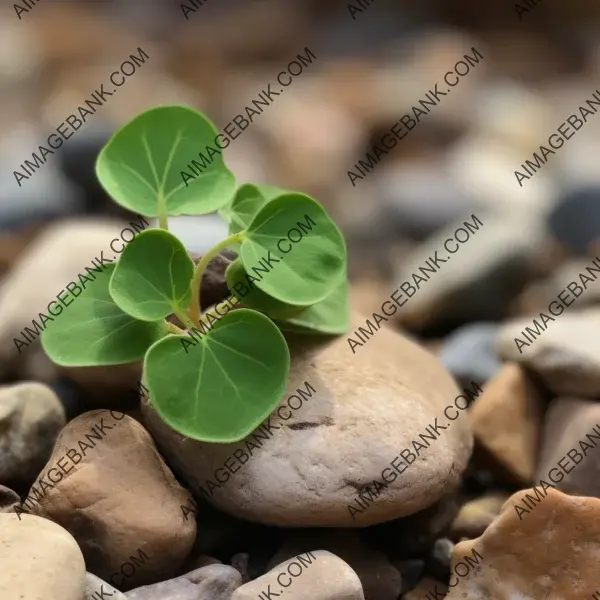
x,y
211,378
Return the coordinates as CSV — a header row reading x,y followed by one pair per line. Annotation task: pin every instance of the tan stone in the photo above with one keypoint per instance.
x,y
319,576
477,515
120,498
38,559
367,408
506,421
549,552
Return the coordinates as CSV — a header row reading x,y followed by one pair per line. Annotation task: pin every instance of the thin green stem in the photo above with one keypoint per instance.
x,y
194,310
184,318
161,209
174,329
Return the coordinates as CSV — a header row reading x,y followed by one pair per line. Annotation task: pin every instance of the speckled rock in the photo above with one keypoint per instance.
x,y
548,549
506,421
107,485
359,413
39,560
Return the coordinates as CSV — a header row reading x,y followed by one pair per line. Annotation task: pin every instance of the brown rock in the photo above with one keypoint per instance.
x,y
506,421
568,422
117,498
477,515
549,551
363,410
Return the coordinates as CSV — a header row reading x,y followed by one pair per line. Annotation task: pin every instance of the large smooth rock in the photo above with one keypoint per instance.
x,y
565,354
119,498
568,422
366,408
38,560
318,575
506,422
31,417
549,551
213,582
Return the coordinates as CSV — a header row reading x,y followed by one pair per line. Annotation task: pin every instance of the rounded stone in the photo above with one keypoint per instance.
x,y
354,414
39,559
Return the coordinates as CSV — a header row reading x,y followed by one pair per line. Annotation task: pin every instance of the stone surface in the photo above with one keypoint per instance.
x,y
119,498
439,559
365,409
550,552
568,421
380,580
97,589
31,417
506,422
565,356
213,582
426,589
477,515
39,560
8,499
479,280
469,353
323,576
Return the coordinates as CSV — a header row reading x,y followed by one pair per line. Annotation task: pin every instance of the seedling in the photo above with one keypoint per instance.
x,y
217,386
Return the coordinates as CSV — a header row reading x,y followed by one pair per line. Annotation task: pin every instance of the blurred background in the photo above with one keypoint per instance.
x,y
372,64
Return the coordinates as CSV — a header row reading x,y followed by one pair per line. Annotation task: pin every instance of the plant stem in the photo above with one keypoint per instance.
x,y
194,310
185,319
174,329
161,209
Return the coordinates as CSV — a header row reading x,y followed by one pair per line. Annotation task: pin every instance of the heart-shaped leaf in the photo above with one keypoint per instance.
x,y
248,200
224,386
166,161
94,331
153,276
238,279
330,316
302,247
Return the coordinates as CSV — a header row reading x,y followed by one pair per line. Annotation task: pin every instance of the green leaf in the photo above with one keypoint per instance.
x,y
222,388
141,166
153,276
330,316
256,298
248,200
94,331
302,272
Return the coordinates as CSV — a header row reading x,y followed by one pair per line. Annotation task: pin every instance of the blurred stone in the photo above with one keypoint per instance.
x,y
213,582
410,572
469,353
439,560
571,433
380,580
565,356
427,589
566,274
420,198
576,219
8,499
324,578
479,280
477,515
96,588
31,418
506,421
199,233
